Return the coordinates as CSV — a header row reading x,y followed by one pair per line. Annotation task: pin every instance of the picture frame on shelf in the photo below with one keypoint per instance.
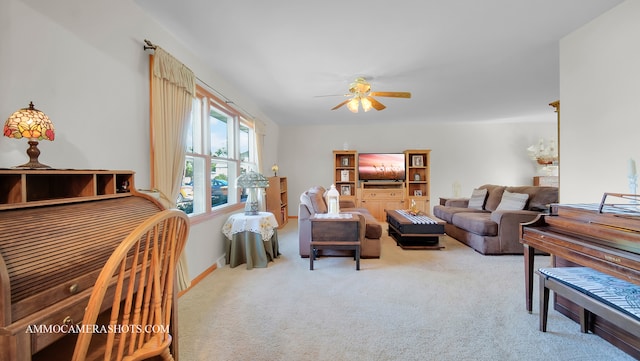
x,y
344,176
417,193
417,161
345,161
345,190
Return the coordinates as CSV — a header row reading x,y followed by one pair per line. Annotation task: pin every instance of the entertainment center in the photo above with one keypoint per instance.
x,y
380,181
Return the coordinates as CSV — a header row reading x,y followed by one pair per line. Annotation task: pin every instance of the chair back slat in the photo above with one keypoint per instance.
x,y
143,268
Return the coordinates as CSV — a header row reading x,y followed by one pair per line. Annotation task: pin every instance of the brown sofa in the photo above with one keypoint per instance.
x,y
490,230
313,201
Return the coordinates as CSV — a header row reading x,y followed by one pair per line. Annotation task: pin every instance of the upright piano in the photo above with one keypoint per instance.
x,y
604,236
57,229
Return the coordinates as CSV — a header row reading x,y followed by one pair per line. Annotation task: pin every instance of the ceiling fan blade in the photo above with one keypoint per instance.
x,y
391,94
341,104
376,104
332,95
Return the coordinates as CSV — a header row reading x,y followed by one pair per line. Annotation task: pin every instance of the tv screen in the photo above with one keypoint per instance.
x,y
381,166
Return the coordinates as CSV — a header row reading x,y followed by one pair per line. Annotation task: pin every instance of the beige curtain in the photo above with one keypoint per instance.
x,y
260,133
173,87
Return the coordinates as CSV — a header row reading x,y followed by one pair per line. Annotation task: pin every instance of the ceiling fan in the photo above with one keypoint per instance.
x,y
361,94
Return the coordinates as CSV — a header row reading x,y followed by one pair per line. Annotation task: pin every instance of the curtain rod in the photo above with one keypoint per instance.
x,y
150,46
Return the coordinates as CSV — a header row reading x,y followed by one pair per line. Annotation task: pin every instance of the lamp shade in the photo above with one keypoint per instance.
x,y
29,123
251,181
34,125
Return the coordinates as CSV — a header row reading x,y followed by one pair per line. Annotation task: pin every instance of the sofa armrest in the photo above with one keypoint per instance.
x,y
347,203
457,202
509,223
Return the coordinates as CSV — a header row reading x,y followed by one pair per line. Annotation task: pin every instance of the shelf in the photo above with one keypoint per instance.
x,y
37,187
418,164
276,198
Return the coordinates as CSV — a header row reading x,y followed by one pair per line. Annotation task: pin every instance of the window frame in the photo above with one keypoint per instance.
x,y
201,150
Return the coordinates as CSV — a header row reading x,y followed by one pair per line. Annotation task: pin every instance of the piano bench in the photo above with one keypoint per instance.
x,y
594,292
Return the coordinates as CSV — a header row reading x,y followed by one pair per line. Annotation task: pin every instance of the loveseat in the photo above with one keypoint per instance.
x,y
489,220
313,201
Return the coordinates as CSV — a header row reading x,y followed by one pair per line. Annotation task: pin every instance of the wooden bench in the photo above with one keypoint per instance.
x,y
594,292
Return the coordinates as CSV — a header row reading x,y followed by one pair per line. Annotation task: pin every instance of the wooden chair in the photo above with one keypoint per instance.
x,y
138,326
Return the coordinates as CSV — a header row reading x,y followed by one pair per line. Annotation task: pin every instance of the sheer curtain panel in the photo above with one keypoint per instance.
x,y
173,87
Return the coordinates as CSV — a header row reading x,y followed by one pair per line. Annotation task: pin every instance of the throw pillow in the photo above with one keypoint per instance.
x,y
477,199
316,195
512,201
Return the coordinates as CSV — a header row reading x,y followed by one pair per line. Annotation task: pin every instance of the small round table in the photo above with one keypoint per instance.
x,y
251,239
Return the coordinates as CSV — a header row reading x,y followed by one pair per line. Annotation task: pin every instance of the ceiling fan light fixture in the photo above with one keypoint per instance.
x,y
353,104
366,104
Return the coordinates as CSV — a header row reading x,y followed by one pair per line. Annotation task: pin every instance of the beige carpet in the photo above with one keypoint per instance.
x,y
452,304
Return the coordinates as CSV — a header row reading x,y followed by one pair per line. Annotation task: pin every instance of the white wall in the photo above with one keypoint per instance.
x,y
470,154
600,104
82,63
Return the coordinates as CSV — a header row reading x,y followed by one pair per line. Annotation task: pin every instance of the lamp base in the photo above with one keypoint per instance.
x,y
33,152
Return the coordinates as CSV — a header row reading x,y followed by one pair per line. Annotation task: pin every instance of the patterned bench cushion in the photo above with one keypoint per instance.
x,y
619,294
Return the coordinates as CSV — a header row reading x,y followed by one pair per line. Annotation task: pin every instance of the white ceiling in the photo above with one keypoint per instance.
x,y
462,60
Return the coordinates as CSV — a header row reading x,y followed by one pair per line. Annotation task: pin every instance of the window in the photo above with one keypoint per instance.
x,y
220,146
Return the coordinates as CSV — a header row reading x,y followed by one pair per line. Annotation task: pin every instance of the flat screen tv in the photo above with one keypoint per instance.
x,y
381,167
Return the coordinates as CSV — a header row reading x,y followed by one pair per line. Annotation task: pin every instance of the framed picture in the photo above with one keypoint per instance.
x,y
345,161
416,161
417,193
344,176
345,190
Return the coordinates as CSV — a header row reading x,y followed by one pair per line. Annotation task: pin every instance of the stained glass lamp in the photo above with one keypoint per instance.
x,y
251,181
34,125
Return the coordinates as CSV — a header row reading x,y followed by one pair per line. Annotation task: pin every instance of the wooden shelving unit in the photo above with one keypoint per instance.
x,y
277,200
417,166
346,173
21,188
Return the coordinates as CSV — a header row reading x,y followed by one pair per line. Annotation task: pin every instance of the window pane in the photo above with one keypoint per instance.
x,y
244,143
219,182
200,181
218,124
185,197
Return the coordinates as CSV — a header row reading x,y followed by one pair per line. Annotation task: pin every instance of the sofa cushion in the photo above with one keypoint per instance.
x,y
543,198
446,212
476,222
512,201
316,196
494,197
306,201
476,201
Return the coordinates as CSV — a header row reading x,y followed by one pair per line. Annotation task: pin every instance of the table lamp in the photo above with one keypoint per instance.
x,y
34,125
251,181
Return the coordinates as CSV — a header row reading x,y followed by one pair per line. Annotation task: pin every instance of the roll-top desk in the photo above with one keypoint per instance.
x,y
57,229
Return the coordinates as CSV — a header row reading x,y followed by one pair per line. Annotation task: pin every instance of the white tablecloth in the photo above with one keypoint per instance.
x,y
263,223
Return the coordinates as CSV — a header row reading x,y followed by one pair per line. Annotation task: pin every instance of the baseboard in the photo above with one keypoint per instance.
x,y
198,278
